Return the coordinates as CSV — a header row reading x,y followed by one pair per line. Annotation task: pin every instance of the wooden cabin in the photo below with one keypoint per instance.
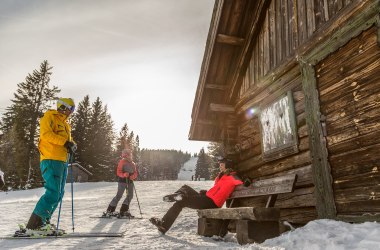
x,y
80,174
293,86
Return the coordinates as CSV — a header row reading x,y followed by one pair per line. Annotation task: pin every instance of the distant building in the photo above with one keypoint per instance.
x,y
80,174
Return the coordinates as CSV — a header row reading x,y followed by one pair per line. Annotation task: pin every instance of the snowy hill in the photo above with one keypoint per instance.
x,y
188,169
91,199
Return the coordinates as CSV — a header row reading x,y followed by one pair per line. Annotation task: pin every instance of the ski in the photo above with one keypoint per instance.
x,y
115,217
69,235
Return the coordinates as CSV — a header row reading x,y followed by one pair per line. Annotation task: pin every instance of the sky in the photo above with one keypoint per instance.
x,y
141,57
91,199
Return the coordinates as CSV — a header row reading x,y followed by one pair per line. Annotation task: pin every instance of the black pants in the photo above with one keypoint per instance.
x,y
192,199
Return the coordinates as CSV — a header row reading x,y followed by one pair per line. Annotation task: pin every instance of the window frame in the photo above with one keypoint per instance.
x,y
290,147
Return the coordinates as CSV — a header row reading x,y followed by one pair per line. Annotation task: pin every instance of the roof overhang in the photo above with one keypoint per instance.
x,y
227,42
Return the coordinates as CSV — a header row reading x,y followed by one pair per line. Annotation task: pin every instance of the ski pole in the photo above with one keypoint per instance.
x,y
63,182
72,191
137,198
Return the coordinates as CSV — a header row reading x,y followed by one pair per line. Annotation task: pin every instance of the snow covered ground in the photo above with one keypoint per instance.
x,y
188,169
92,198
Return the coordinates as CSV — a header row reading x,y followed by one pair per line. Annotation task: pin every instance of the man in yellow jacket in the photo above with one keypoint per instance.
x,y
54,146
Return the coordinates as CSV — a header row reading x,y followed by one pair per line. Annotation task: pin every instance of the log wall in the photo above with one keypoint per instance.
x,y
299,206
288,25
349,86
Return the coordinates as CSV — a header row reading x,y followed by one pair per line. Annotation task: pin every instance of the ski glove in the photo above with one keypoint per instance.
x,y
202,192
247,182
70,146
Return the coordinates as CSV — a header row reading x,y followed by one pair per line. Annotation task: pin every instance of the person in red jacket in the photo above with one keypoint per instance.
x,y
224,185
126,172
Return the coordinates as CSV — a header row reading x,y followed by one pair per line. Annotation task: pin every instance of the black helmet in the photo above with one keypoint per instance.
x,y
229,163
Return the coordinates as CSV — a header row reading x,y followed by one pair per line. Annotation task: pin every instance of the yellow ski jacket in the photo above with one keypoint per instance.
x,y
54,132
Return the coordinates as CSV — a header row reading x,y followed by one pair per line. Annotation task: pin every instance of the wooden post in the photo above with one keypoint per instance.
x,y
320,166
378,29
256,231
210,227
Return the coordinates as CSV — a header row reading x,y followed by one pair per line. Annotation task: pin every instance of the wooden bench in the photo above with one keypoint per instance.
x,y
253,224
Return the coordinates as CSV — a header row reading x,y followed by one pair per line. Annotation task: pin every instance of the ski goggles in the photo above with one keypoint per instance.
x,y
68,107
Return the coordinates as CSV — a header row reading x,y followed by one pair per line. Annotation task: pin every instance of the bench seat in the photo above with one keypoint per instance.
x,y
242,213
253,224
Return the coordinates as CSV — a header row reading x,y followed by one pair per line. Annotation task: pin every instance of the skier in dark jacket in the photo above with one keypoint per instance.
x,y
224,185
126,172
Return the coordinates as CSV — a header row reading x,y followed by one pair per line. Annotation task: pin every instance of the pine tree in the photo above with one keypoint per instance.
x,y
80,128
202,166
10,158
131,140
161,164
21,120
215,150
136,150
99,152
122,139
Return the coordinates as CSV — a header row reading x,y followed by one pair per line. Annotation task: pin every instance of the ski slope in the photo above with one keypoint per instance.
x,y
91,199
188,169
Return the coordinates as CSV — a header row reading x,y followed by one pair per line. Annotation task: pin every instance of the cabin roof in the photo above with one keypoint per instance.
x,y
217,89
82,168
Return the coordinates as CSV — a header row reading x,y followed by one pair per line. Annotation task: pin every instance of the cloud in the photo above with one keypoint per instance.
x,y
142,58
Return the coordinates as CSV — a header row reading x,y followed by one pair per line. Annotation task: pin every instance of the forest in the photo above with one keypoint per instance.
x,y
99,146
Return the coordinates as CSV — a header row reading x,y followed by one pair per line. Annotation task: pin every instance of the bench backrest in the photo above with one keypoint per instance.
x,y
272,187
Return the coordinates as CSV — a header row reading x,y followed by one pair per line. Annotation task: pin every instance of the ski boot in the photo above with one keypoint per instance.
x,y
159,224
110,212
124,212
177,196
45,230
125,215
51,225
182,193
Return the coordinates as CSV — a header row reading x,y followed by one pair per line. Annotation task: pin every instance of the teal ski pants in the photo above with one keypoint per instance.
x,y
54,174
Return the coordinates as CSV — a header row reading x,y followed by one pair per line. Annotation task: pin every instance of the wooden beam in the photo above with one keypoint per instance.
x,y
206,122
352,21
216,87
230,40
211,40
245,55
224,108
276,185
321,169
251,213
359,218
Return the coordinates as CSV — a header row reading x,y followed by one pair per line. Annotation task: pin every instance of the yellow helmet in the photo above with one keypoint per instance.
x,y
66,103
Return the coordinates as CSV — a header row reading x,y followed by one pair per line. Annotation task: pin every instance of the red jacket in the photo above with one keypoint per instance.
x,y
126,169
223,188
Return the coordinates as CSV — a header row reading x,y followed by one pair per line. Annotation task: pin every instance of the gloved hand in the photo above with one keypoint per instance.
x,y
247,182
202,192
70,146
